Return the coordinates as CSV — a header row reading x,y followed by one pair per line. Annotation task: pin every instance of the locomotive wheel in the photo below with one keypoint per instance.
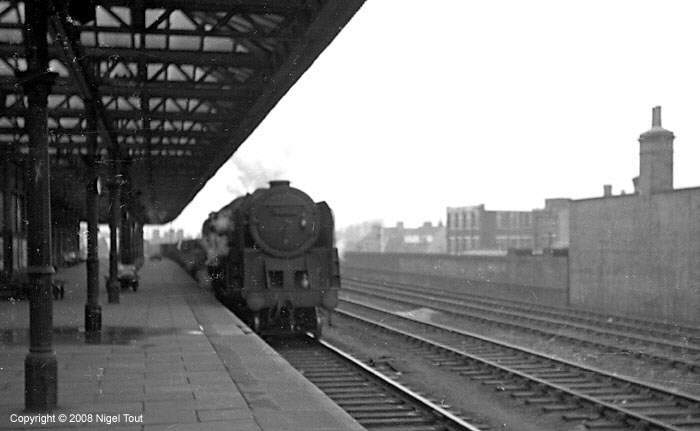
x,y
311,322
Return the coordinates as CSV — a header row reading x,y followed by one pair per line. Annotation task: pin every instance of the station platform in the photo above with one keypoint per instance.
x,y
170,358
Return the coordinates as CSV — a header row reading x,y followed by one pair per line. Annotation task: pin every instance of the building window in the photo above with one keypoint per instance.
x,y
503,220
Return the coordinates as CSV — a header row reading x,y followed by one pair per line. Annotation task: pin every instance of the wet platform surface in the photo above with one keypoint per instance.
x,y
170,357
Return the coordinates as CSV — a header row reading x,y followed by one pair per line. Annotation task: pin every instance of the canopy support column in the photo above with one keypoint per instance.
x,y
93,310
113,285
7,210
40,365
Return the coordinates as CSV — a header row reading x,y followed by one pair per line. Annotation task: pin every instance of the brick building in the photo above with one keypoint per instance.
x,y
473,228
640,253
551,225
427,238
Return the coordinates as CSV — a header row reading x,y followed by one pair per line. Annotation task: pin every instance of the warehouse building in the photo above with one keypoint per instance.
x,y
474,229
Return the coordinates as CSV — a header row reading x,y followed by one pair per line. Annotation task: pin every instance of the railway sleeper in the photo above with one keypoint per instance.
x,y
387,414
477,372
319,374
333,392
567,380
557,374
540,400
516,363
504,388
627,399
331,379
358,399
499,356
343,385
687,422
524,394
448,363
580,416
534,368
551,408
499,382
367,408
437,357
316,361
648,403
483,377
661,413
319,367
397,422
602,391
479,351
465,368
410,428
472,345
509,357
603,424
588,384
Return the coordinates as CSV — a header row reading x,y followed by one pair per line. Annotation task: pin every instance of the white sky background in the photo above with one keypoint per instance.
x,y
419,105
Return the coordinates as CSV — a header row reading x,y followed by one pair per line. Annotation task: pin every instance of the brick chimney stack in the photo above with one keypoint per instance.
x,y
655,157
656,116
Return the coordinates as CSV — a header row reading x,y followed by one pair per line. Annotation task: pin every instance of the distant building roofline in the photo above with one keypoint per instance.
x,y
631,195
467,207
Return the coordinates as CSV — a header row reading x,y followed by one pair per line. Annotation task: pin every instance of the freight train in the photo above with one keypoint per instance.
x,y
271,258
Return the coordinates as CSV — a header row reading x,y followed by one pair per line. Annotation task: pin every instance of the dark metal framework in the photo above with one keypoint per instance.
x,y
176,86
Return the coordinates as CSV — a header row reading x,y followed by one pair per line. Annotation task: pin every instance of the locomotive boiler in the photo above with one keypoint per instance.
x,y
271,258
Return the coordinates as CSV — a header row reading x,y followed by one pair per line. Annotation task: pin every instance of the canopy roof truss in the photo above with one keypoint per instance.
x,y
176,85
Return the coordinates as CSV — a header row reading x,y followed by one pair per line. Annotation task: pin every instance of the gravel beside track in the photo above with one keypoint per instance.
x,y
537,379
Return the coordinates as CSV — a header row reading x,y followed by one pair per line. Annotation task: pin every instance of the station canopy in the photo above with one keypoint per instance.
x,y
176,85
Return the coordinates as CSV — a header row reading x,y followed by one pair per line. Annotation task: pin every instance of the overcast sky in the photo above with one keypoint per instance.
x,y
419,105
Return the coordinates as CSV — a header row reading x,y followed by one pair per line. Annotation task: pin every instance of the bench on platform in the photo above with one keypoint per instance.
x,y
17,286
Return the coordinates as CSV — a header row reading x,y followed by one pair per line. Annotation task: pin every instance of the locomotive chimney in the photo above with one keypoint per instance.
x,y
279,183
607,190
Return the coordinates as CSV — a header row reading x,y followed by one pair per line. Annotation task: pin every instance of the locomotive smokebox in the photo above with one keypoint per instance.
x,y
283,221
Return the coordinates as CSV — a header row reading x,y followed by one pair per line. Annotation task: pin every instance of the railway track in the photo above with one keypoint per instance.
x,y
373,398
600,399
683,353
671,331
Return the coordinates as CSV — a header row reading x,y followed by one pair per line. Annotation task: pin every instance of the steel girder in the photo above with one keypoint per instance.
x,y
170,80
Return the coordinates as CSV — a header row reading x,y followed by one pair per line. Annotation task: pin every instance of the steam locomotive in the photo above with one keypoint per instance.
x,y
271,258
